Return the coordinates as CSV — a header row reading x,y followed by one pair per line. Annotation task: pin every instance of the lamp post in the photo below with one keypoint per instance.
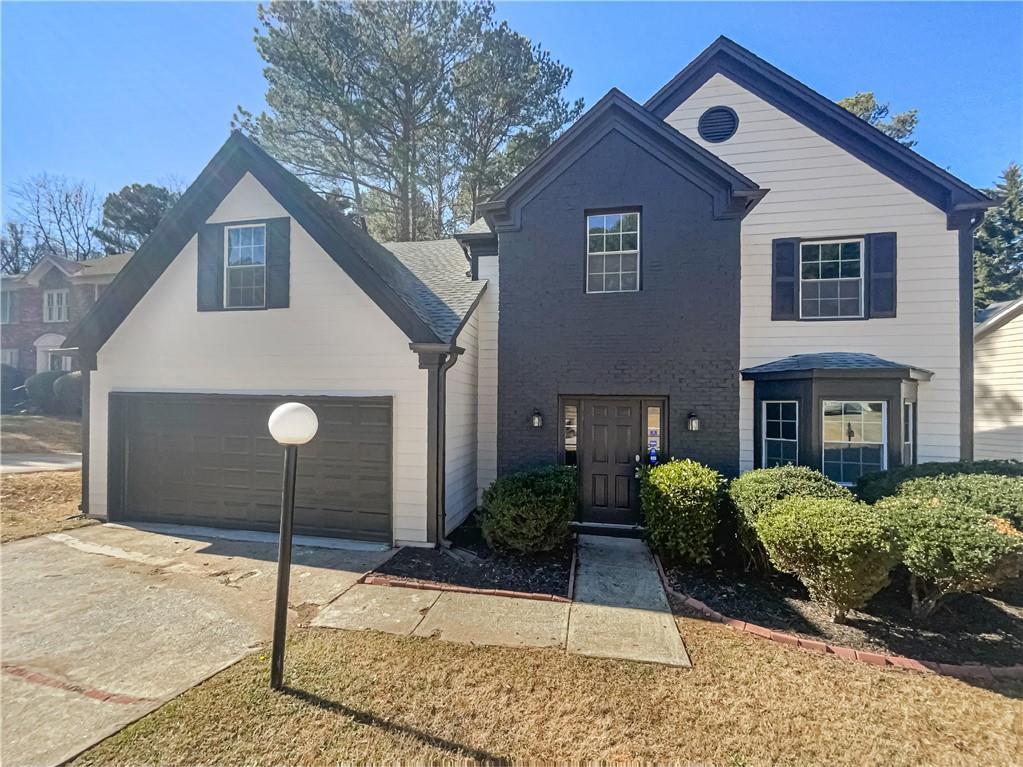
x,y
291,424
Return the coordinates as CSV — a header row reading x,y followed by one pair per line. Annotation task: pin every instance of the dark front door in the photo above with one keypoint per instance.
x,y
611,440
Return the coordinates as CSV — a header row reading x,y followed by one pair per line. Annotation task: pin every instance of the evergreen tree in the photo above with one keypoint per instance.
x,y
131,215
898,126
998,244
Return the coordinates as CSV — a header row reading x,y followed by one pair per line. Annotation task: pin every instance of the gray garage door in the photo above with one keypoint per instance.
x,y
209,460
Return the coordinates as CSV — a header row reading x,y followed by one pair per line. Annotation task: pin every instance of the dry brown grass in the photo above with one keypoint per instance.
x,y
372,698
33,504
40,434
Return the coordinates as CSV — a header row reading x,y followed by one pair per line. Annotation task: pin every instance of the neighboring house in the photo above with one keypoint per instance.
x,y
40,306
738,271
998,381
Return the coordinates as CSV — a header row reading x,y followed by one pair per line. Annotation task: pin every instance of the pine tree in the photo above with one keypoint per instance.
x,y
998,244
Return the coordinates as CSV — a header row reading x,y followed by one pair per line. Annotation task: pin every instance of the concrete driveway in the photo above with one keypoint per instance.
x,y
103,624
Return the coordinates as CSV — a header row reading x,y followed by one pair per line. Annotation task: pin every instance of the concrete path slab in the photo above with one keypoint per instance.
x,y
102,624
377,608
26,463
490,620
620,609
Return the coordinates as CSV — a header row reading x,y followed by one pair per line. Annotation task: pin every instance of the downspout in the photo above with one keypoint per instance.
x,y
436,359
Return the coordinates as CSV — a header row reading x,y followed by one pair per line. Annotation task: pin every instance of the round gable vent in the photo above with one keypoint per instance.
x,y
718,124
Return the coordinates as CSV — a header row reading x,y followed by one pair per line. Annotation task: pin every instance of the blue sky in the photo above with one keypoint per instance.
x,y
116,93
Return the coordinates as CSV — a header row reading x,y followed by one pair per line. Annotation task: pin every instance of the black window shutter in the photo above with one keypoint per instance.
x,y
880,276
278,262
211,268
784,279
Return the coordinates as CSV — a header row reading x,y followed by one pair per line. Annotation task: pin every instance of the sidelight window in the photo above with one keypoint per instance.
x,y
571,429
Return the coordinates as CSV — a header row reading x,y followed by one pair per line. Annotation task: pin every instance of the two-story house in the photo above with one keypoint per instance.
x,y
39,307
737,271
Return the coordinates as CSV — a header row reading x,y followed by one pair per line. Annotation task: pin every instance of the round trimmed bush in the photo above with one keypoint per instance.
x,y
68,392
990,493
756,491
680,502
840,549
529,512
949,547
873,487
40,390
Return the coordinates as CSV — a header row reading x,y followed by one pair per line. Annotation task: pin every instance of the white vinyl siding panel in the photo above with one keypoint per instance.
x,y
998,392
486,466
818,190
332,340
461,428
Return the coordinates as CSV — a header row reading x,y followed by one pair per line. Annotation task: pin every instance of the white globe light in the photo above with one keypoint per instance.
x,y
293,423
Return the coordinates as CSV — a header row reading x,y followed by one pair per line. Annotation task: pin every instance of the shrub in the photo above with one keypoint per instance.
x,y
68,392
10,378
530,511
950,547
40,390
680,501
755,492
840,549
873,487
993,494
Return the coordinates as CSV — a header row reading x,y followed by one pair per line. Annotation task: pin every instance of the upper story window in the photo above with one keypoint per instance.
x,y
56,305
612,252
831,279
7,310
245,267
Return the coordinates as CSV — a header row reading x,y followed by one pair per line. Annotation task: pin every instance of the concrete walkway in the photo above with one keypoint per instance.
x,y
24,463
620,611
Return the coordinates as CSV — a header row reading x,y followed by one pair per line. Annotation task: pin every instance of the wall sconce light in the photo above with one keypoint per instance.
x,y
693,421
536,420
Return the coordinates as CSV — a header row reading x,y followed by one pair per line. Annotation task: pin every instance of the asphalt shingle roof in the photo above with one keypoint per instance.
x,y
437,285
479,226
830,361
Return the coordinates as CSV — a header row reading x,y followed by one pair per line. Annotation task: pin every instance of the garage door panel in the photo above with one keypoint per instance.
x,y
207,459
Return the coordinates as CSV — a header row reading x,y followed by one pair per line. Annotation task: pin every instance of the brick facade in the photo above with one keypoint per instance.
x,y
678,337
27,322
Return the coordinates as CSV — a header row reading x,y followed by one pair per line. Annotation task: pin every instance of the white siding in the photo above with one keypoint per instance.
x,y
486,468
333,340
998,389
820,190
460,433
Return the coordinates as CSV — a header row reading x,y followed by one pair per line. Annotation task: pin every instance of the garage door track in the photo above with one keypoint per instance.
x,y
103,624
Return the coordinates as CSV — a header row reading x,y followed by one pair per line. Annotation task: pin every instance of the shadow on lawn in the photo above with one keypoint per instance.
x,y
370,720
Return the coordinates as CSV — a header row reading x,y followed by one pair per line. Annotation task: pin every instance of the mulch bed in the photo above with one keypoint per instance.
x,y
475,565
968,628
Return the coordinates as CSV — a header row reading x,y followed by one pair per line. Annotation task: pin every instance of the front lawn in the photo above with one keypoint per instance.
x,y
40,434
43,502
363,697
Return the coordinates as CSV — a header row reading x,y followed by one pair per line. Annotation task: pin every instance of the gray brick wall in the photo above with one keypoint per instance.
x,y
677,337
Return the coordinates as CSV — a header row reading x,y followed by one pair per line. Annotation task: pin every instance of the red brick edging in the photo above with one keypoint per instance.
x,y
975,671
89,692
374,579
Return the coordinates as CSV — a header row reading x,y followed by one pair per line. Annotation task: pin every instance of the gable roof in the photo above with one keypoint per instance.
x,y
733,193
820,114
446,291
389,282
103,266
834,363
992,317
